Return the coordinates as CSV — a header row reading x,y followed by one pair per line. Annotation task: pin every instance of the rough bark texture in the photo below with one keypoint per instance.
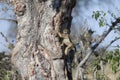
x,y
37,54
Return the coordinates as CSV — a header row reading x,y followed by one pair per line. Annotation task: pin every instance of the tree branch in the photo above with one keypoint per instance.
x,y
13,20
6,39
105,34
111,43
97,44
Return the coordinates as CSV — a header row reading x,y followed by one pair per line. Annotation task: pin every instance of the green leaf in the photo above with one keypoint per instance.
x,y
99,15
114,68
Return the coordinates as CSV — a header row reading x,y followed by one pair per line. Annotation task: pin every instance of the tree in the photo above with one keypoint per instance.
x,y
37,54
89,45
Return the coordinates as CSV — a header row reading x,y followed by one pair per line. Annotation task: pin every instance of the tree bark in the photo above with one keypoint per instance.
x,y
37,54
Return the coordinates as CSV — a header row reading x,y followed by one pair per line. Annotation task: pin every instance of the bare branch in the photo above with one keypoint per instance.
x,y
6,39
105,34
97,44
13,20
111,43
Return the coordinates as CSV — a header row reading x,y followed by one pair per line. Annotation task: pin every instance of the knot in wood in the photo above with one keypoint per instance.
x,y
20,8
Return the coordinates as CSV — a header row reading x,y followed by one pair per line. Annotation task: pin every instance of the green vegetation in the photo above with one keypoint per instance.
x,y
6,70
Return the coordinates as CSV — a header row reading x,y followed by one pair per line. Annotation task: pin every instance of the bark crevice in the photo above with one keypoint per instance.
x,y
38,50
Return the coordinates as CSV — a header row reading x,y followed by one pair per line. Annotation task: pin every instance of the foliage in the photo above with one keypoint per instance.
x,y
101,76
99,16
96,63
113,58
5,67
6,71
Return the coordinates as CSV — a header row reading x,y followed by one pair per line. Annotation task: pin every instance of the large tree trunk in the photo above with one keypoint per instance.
x,y
37,54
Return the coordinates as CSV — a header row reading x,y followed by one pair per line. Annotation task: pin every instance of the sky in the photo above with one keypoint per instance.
x,y
6,26
84,10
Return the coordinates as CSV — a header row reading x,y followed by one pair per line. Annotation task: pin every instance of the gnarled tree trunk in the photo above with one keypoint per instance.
x,y
37,54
